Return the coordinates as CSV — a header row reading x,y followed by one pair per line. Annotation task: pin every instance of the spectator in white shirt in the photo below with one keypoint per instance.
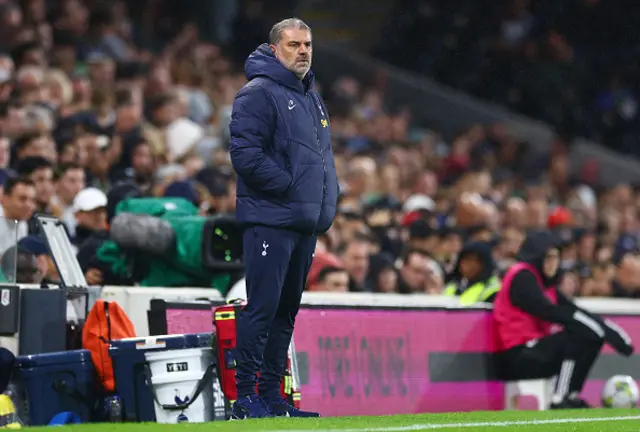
x,y
18,204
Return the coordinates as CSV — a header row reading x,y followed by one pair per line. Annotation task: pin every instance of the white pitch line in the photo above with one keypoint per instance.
x,y
426,426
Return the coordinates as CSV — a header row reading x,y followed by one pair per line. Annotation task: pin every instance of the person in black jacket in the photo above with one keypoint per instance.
x,y
524,310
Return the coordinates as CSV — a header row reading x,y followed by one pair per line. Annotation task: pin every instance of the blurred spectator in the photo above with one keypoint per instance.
x,y
93,96
21,263
626,282
18,205
472,278
355,258
38,247
383,277
69,181
90,211
40,171
331,279
416,273
423,237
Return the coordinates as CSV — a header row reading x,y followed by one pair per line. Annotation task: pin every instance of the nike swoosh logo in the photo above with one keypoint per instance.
x,y
291,107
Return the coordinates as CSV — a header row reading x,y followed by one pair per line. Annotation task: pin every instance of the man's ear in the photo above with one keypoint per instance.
x,y
273,48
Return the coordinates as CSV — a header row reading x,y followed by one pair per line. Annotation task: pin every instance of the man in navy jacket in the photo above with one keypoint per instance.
x,y
286,195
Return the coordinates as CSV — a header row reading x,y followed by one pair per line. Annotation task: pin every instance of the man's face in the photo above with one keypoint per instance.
x,y
511,241
43,180
142,160
415,272
94,220
294,51
72,182
356,260
21,203
337,281
165,114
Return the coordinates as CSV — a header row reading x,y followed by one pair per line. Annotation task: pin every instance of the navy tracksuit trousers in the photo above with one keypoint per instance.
x,y
277,262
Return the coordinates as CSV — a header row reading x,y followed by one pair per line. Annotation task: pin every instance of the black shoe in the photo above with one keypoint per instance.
x,y
250,407
571,403
281,408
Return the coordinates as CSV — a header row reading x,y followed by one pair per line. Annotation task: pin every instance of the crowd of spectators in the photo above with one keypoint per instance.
x,y
571,63
83,108
409,209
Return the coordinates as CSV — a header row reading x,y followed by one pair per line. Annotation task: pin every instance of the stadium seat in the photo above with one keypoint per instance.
x,y
541,389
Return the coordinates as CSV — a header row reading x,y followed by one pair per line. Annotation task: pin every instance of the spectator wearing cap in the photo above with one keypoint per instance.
x,y
417,207
473,278
38,247
321,259
331,279
18,205
96,271
20,266
90,210
559,217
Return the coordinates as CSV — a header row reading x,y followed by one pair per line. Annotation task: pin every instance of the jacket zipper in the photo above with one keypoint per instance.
x,y
324,168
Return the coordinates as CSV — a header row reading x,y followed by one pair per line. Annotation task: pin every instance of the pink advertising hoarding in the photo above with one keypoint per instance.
x,y
383,361
377,361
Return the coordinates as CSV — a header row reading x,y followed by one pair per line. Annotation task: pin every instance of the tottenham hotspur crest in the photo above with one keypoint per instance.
x,y
265,245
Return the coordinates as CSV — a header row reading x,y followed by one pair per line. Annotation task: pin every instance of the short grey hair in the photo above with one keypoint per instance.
x,y
290,23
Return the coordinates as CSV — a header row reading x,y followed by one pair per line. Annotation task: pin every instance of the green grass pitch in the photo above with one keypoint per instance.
x,y
521,421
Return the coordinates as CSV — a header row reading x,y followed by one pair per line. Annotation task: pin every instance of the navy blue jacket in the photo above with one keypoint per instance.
x,y
281,149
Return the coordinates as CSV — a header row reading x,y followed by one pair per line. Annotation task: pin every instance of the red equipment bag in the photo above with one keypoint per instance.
x,y
224,321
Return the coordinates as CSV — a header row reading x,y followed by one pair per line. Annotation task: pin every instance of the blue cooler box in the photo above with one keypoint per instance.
x,y
56,382
128,367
